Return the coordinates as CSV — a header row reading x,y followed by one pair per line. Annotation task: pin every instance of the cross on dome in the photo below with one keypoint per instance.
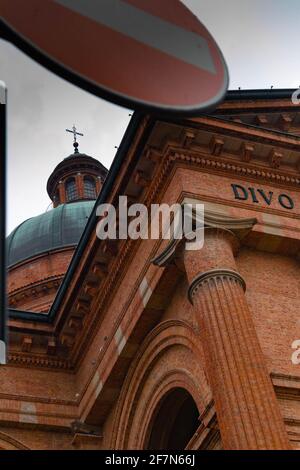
x,y
75,134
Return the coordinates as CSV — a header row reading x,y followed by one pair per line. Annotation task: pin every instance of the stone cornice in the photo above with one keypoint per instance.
x,y
39,256
38,360
239,226
251,132
248,171
261,103
35,288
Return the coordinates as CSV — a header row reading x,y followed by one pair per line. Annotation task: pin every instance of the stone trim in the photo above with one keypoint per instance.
x,y
236,227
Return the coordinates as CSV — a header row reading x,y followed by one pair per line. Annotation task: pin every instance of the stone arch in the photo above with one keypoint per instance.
x,y
170,358
9,443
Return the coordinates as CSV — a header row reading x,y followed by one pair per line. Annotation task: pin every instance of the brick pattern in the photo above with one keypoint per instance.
x,y
32,284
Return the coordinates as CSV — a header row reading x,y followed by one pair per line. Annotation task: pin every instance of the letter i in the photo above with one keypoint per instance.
x,y
254,198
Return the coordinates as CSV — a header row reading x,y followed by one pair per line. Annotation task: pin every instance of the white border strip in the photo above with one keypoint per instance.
x,y
145,291
2,92
153,31
2,352
120,340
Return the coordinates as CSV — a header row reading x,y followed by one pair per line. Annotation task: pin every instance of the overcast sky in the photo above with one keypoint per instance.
x,y
259,39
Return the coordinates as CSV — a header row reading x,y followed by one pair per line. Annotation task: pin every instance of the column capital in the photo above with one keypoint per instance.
x,y
234,228
217,274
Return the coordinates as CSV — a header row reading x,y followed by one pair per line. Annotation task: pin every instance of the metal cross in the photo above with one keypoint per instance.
x,y
74,132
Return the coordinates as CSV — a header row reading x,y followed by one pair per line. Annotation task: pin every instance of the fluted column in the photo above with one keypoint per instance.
x,y
247,409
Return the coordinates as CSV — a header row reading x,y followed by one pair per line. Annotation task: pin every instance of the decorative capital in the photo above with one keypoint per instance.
x,y
168,255
237,227
213,273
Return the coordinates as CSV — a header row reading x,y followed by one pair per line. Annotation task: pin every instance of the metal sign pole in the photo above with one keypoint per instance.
x,y
3,310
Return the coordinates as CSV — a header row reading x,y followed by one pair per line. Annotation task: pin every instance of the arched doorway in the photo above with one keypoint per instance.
x,y
174,422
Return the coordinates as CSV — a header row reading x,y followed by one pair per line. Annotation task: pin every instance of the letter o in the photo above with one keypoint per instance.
x,y
289,205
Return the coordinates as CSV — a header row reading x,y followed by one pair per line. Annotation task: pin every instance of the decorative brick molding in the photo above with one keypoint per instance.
x,y
216,274
131,425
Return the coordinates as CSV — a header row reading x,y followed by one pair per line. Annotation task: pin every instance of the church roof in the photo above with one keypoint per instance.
x,y
57,228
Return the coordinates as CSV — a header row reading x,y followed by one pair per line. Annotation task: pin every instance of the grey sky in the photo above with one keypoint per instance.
x,y
259,39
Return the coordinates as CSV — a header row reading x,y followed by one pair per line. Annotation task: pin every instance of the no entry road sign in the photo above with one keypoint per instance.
x,y
144,54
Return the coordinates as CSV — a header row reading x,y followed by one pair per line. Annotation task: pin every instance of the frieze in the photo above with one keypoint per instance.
x,y
259,196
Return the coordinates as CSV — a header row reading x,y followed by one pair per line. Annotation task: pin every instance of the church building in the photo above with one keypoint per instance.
x,y
142,344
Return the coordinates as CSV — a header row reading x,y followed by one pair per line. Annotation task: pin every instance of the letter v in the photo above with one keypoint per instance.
x,y
267,199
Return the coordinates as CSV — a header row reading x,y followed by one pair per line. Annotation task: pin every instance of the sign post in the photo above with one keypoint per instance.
x,y
3,312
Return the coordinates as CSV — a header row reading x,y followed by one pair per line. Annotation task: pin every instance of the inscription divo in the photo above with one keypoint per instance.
x,y
260,196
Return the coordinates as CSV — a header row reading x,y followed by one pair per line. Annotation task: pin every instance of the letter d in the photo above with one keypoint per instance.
x,y
237,189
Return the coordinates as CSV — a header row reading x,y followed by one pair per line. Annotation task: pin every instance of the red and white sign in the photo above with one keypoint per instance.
x,y
151,54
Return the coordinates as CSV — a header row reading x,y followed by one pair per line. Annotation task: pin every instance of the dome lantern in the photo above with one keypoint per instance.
x,y
78,177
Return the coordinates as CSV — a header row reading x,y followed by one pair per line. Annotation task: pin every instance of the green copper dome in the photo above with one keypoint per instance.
x,y
58,228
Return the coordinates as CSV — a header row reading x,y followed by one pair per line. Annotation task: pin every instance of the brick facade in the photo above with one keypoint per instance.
x,y
140,326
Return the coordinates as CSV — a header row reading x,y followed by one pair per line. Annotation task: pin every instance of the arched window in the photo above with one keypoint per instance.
x,y
89,188
71,190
